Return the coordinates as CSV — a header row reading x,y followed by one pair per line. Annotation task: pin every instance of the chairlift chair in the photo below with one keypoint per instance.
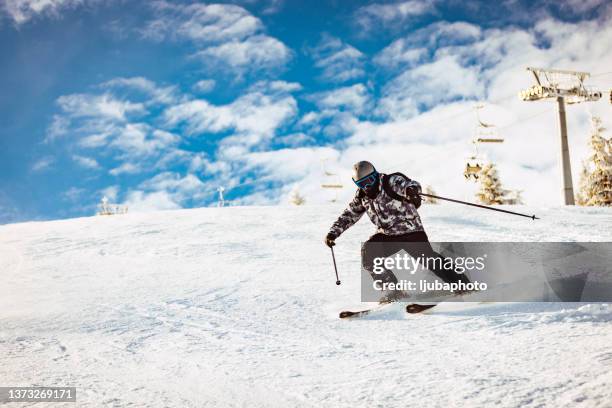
x,y
485,132
472,168
331,181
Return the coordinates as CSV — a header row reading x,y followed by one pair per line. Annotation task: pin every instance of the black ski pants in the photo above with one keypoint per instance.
x,y
420,247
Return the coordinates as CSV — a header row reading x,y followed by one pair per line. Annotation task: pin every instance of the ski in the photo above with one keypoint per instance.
x,y
364,312
411,308
414,308
348,313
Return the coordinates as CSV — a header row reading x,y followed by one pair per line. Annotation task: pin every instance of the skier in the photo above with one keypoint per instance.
x,y
391,201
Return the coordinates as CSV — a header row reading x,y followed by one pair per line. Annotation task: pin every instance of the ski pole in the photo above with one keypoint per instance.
x,y
335,267
533,217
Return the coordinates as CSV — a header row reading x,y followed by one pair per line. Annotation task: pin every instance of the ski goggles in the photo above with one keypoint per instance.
x,y
367,181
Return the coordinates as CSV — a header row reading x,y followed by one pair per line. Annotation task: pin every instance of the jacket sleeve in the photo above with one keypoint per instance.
x,y
348,218
399,184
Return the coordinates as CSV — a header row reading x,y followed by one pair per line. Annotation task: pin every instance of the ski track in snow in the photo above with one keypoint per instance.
x,y
238,307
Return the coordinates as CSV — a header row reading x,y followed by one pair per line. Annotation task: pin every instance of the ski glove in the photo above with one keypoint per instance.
x,y
412,194
329,240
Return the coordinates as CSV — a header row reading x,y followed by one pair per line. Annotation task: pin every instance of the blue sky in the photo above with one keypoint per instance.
x,y
156,104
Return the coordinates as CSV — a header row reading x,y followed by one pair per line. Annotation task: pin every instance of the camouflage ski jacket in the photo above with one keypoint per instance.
x,y
391,216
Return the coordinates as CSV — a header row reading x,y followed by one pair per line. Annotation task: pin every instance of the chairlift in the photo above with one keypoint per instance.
x,y
479,120
489,140
331,181
332,185
474,164
485,132
472,168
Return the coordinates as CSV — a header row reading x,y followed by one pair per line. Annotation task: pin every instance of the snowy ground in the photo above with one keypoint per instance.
x,y
238,307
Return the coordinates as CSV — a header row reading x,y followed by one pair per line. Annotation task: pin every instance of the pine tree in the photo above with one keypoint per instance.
x,y
429,200
596,176
296,199
491,191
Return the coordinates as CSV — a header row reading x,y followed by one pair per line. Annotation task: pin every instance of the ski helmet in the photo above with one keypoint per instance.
x,y
364,174
362,169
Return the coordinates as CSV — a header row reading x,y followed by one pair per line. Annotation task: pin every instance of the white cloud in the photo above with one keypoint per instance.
x,y
179,188
419,128
96,139
393,14
42,164
266,6
110,192
21,11
273,6
259,52
174,156
162,95
414,49
58,127
167,190
200,163
354,98
338,111
204,85
444,33
295,139
125,168
427,85
140,139
399,55
117,127
288,164
139,201
290,168
86,162
201,22
136,146
275,87
101,106
224,34
255,116
338,61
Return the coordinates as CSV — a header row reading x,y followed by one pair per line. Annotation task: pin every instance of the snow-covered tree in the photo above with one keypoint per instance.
x,y
429,200
106,208
491,191
296,198
596,176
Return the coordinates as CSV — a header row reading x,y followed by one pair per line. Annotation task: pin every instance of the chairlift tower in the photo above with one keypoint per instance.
x,y
221,202
564,86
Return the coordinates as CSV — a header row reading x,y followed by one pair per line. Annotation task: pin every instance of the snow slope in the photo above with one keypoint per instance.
x,y
238,307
